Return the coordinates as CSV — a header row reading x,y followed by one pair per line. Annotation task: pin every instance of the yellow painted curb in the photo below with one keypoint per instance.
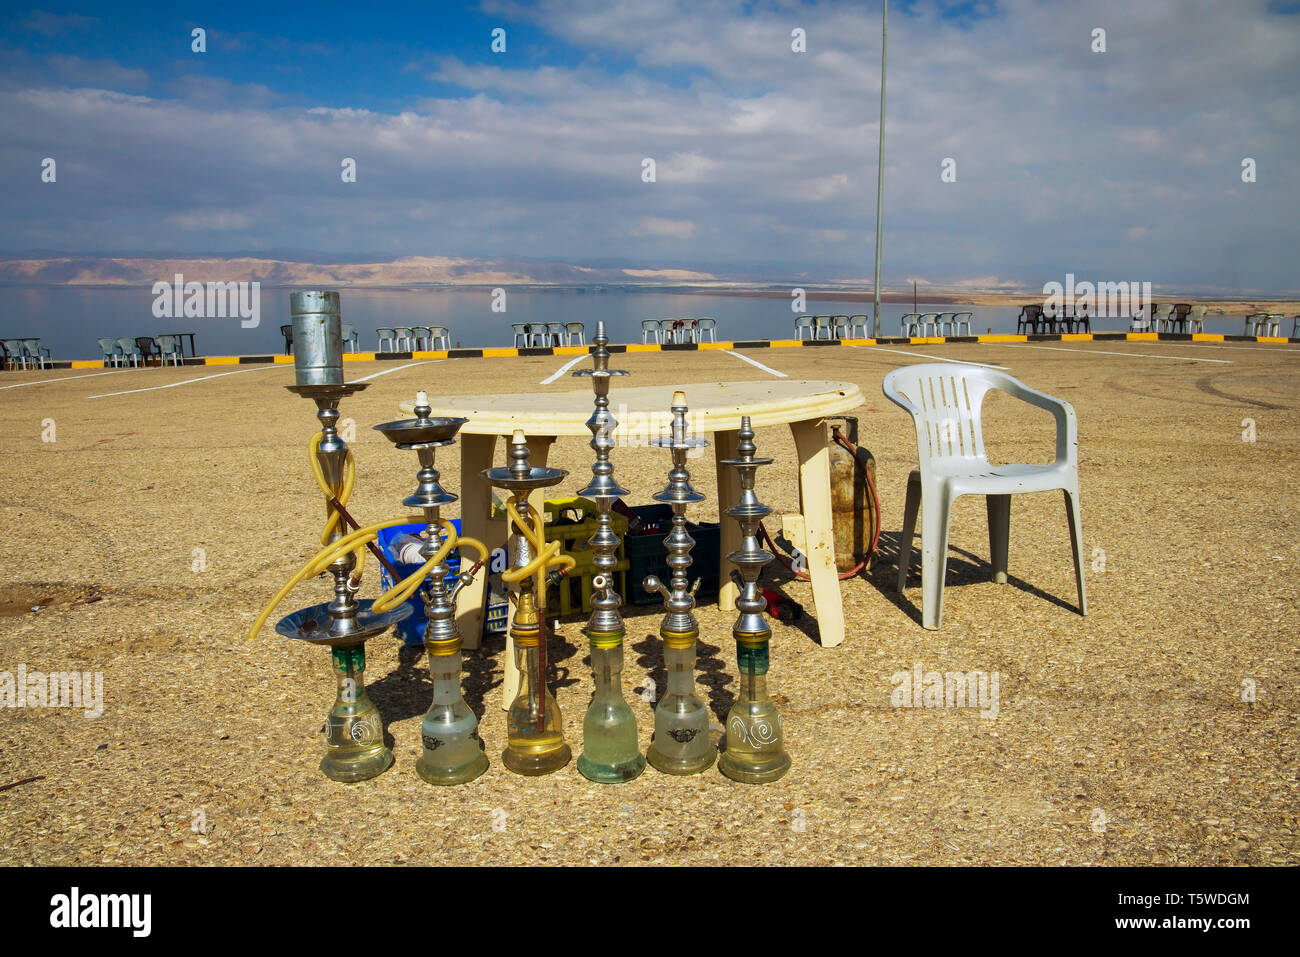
x,y
1142,336
1271,339
643,347
788,343
358,357
571,350
1207,337
499,353
439,354
1002,338
705,346
86,364
858,342
1076,337
282,360
221,360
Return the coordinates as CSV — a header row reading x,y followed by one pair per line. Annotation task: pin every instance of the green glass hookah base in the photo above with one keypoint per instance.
x,y
611,773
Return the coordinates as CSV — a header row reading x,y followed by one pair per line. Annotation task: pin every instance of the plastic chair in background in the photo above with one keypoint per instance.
x,y
1254,322
350,335
572,329
854,324
820,324
1162,314
439,337
1196,318
945,402
536,333
148,348
389,335
129,350
649,328
803,324
521,334
32,349
405,338
169,347
421,337
707,324
911,324
554,334
666,327
1030,319
1295,327
943,322
839,327
12,349
960,319
108,346
287,332
1178,323
928,321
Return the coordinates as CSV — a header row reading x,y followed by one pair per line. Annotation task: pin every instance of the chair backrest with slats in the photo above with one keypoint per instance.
x,y
945,402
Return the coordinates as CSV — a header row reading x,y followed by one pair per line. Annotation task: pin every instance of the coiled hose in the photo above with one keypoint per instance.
x,y
355,542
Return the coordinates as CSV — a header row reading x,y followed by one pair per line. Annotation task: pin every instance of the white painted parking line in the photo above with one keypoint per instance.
x,y
65,378
376,375
563,369
754,362
172,385
1126,355
922,355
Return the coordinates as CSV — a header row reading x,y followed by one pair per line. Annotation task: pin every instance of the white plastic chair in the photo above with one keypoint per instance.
x,y
108,346
911,324
349,336
840,327
439,337
803,324
1196,319
649,329
130,350
387,334
405,338
1162,317
820,323
707,324
945,402
521,334
575,329
170,348
857,322
960,319
928,322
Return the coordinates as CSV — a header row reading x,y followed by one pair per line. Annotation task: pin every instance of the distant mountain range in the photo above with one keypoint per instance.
x,y
406,271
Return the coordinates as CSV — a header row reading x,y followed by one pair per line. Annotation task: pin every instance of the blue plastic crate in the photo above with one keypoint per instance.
x,y
412,629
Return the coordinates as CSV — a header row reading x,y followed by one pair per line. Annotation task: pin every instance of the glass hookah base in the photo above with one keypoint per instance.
x,y
433,772
754,768
532,758
349,766
687,764
611,773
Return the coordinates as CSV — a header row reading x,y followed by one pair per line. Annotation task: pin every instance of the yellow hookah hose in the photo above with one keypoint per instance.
x,y
355,542
546,554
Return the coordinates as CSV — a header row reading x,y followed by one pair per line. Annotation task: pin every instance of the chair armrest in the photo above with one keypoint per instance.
x,y
1067,426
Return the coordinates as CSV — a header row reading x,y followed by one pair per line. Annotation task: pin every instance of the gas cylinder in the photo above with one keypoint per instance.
x,y
852,510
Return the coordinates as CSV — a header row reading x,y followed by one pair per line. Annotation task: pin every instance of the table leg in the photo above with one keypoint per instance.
x,y
539,447
815,496
724,447
475,521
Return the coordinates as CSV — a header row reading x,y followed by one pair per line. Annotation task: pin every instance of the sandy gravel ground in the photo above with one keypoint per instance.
x,y
1121,738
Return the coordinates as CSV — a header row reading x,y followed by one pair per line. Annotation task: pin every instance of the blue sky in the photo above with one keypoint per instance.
x,y
1122,164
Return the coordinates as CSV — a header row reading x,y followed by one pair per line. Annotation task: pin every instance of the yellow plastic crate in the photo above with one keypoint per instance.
x,y
575,588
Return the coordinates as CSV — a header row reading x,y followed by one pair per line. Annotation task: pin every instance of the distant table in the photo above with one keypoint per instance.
x,y
716,407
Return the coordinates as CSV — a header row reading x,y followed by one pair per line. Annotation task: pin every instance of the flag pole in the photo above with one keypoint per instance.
x,y
880,169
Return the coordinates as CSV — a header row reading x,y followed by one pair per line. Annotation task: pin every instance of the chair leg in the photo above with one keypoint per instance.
x,y
911,506
999,510
1076,542
934,555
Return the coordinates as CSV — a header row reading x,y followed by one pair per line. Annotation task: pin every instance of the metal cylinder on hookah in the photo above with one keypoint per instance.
x,y
755,752
681,737
610,750
534,726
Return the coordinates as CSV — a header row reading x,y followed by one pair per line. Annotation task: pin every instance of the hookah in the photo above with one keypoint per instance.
x,y
534,727
453,752
681,737
609,736
354,732
754,752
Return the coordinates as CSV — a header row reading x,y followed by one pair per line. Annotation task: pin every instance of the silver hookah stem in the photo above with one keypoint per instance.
x,y
605,601
751,557
332,453
679,597
439,606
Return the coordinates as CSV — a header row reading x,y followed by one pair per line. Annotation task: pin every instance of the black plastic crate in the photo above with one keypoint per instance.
x,y
647,555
